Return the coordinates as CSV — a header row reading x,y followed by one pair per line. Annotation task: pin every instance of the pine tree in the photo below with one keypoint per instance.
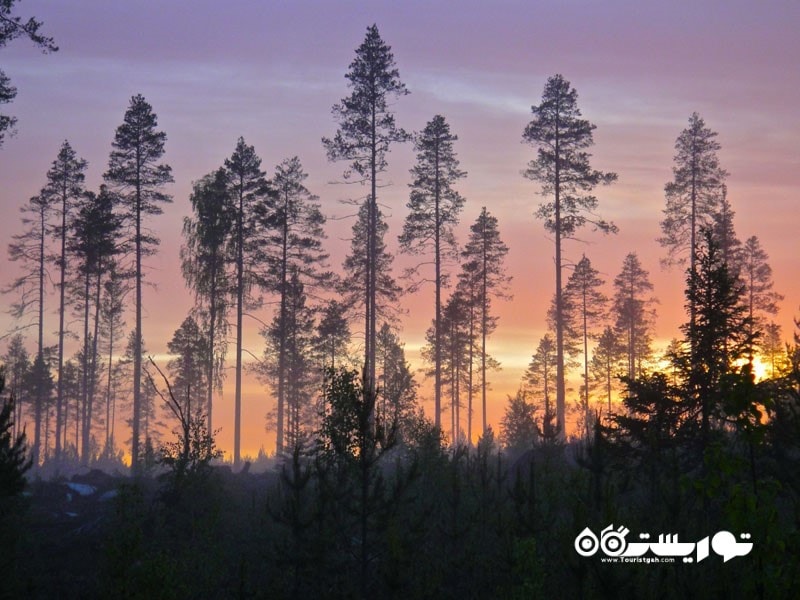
x,y
93,243
455,345
562,168
247,188
718,335
428,229
12,27
607,361
30,249
518,426
17,362
112,327
203,263
760,298
135,173
13,462
357,267
633,313
333,335
64,189
397,390
725,232
289,362
586,307
540,380
483,278
366,131
294,234
151,425
188,369
694,194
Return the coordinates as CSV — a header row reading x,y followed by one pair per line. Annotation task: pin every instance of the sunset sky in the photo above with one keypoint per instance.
x,y
270,71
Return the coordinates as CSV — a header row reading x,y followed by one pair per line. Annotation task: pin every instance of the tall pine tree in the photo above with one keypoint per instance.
x,y
30,249
366,131
587,309
203,263
482,279
63,189
293,248
562,169
135,172
428,229
633,313
247,186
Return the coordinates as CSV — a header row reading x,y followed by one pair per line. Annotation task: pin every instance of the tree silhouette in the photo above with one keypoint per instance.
x,y
397,390
585,306
540,380
293,250
64,189
93,243
112,327
759,297
248,188
356,267
135,173
203,263
188,370
719,335
483,278
366,131
694,194
518,425
428,229
725,232
606,361
17,364
333,334
633,313
562,168
289,362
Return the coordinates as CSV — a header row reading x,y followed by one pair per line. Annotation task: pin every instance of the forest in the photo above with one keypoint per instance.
x,y
387,479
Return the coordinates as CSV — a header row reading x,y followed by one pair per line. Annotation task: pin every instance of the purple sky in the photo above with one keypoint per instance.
x,y
270,71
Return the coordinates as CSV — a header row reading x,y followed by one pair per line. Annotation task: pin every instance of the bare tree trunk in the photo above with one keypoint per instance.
x,y
237,423
137,342
282,332
61,293
561,392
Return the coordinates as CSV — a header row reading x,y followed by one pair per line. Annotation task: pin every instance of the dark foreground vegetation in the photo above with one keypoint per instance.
x,y
376,508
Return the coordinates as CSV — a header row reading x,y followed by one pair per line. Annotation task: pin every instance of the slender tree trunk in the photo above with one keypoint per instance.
x,y
373,267
62,264
109,375
438,284
87,433
137,342
237,422
585,367
453,382
560,382
692,251
471,361
212,332
40,350
608,383
83,448
282,330
66,420
484,316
